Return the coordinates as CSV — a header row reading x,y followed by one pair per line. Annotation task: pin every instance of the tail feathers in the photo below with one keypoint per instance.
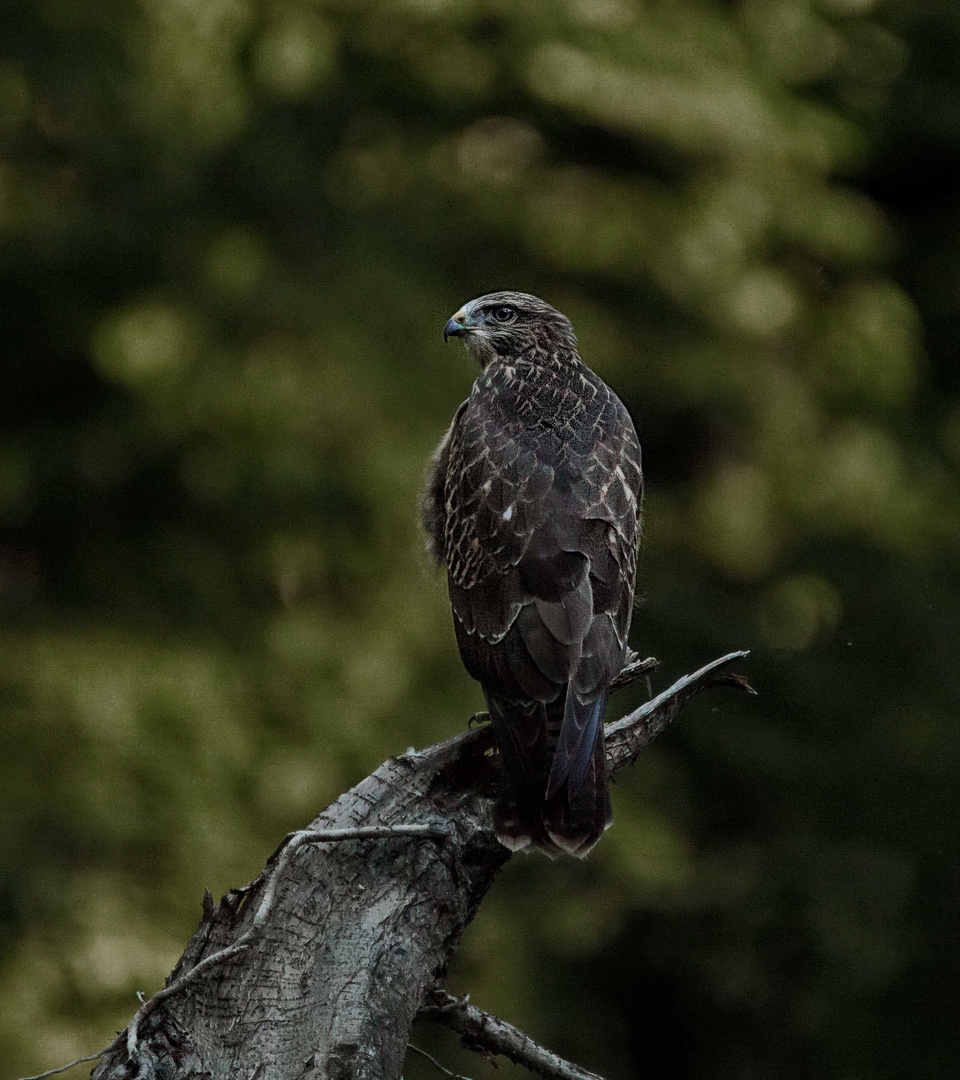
x,y
565,817
576,741
575,820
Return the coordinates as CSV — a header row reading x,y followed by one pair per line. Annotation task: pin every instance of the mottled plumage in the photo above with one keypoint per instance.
x,y
533,505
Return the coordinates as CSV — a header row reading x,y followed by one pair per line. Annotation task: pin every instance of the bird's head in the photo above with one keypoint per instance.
x,y
506,324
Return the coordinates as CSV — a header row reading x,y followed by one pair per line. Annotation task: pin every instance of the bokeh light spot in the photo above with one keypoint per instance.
x,y
798,611
150,341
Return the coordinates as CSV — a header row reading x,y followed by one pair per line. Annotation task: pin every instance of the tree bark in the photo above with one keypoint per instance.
x,y
319,966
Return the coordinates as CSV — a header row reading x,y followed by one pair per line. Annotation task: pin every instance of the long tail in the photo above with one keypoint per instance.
x,y
555,764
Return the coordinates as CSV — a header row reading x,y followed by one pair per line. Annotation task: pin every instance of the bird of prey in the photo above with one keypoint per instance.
x,y
533,504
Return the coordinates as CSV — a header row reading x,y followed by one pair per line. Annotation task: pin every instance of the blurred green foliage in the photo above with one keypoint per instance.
x,y
230,233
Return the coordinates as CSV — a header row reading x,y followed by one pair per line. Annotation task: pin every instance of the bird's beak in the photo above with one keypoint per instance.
x,y
455,327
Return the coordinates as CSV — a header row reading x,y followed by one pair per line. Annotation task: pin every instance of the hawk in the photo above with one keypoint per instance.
x,y
533,504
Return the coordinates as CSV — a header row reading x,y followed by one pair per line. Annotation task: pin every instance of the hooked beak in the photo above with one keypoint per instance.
x,y
457,326
453,329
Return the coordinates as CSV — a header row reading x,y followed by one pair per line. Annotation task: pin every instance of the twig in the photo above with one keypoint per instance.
x,y
292,842
633,668
479,1030
436,1064
627,736
64,1068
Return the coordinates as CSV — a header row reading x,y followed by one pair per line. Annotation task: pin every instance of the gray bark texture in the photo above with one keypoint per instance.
x,y
336,947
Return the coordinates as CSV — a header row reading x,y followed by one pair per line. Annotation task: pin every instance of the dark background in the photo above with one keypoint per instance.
x,y
231,232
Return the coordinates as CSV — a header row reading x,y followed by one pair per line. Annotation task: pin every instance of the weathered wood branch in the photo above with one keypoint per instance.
x,y
319,966
488,1034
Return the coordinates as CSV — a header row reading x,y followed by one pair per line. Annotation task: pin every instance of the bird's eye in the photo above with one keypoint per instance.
x,y
504,313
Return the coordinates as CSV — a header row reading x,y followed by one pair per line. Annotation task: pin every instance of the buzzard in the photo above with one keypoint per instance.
x,y
533,505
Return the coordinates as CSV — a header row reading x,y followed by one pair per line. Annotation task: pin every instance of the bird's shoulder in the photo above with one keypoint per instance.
x,y
526,418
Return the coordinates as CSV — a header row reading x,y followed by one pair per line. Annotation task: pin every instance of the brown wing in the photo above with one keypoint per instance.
x,y
540,542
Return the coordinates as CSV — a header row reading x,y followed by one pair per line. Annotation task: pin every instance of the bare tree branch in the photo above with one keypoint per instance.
x,y
319,966
67,1068
436,1064
486,1033
633,668
627,736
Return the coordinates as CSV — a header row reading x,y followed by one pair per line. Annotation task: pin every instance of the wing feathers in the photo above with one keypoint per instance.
x,y
553,574
535,683
551,656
